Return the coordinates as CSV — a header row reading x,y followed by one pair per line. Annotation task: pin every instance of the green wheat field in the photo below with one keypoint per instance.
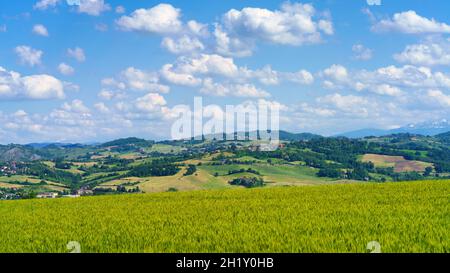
x,y
401,217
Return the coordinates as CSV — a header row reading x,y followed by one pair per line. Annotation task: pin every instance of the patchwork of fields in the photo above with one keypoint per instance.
x,y
217,177
402,217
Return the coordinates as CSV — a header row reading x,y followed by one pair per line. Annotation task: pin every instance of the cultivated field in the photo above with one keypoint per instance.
x,y
402,217
399,163
209,177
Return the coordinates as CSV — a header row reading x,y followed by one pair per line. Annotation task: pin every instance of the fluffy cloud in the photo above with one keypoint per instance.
x,y
40,30
42,87
362,53
151,102
336,72
301,77
76,106
438,97
354,105
184,71
386,89
236,34
229,45
73,114
184,44
93,7
178,78
191,71
412,23
163,18
208,64
390,80
74,121
294,24
45,4
65,69
266,75
101,107
77,53
13,85
429,53
316,111
28,55
407,76
135,79
237,90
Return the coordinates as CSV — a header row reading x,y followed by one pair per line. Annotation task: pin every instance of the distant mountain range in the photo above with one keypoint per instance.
x,y
425,128
36,151
433,128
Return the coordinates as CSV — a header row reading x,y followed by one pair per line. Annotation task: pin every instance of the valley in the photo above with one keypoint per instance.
x,y
134,165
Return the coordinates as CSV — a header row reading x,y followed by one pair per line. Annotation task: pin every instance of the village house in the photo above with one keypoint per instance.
x,y
5,170
84,192
70,196
47,195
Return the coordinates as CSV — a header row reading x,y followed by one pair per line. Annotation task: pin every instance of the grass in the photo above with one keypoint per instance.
x,y
11,182
205,179
201,180
280,174
165,148
9,186
402,217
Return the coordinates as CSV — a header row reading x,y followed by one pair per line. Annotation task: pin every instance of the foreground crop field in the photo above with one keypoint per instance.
x,y
402,217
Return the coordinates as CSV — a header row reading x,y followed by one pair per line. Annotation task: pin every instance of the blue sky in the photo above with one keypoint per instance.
x,y
108,68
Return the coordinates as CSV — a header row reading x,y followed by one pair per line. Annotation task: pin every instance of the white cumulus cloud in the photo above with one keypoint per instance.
x,y
14,85
163,18
360,52
45,4
40,30
182,45
412,23
65,69
77,53
429,53
29,55
93,7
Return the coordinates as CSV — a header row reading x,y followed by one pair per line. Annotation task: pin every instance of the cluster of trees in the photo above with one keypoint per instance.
x,y
46,173
248,182
123,189
249,170
191,169
61,164
354,174
160,167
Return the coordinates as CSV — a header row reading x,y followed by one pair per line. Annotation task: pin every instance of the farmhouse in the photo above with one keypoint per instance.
x,y
48,195
84,192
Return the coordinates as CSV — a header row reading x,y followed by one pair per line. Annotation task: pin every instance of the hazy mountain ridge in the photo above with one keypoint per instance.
x,y
431,128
